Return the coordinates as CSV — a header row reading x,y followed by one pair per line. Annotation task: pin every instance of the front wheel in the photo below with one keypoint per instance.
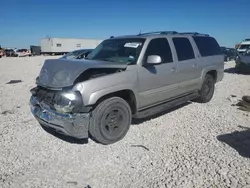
x,y
110,120
207,89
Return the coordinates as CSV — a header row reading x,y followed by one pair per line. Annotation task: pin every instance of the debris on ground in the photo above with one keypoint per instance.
x,y
232,98
246,98
244,104
14,81
140,146
5,112
72,182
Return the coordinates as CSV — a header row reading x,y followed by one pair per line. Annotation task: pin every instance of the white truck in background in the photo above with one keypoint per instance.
x,y
244,46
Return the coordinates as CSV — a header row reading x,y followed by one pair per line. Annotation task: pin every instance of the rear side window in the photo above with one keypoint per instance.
x,y
183,48
207,46
161,47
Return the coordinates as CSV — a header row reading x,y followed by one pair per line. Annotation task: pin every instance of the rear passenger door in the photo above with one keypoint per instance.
x,y
188,70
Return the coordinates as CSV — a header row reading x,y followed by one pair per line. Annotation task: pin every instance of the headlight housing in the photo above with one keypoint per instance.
x,y
68,102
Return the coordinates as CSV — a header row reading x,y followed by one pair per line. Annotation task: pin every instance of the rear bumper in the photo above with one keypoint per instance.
x,y
73,125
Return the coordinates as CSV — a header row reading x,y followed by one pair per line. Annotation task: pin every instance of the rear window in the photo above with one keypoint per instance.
x,y
207,46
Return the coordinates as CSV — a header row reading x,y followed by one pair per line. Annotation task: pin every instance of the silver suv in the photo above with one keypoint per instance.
x,y
123,78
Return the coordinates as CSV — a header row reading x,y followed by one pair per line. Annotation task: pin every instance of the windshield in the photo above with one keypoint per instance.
x,y
73,55
244,46
124,51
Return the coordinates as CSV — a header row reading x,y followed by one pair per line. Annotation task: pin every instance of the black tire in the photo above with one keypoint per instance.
x,y
207,89
110,121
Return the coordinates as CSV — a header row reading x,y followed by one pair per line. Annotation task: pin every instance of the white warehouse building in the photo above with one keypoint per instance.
x,y
65,45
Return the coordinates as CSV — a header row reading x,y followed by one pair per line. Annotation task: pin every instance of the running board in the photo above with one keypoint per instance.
x,y
165,106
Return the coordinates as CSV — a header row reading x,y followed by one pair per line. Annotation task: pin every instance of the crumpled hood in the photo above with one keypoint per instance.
x,y
58,73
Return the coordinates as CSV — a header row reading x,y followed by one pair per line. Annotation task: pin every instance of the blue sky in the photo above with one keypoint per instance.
x,y
25,22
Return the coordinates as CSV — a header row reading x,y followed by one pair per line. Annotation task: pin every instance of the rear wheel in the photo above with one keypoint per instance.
x,y
207,89
110,120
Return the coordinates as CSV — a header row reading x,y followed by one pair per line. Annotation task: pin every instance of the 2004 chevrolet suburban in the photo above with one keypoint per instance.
x,y
123,78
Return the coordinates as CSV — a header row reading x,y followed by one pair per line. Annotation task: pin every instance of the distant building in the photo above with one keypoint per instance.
x,y
65,45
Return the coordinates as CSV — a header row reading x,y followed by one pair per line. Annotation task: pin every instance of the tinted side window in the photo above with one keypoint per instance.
x,y
161,47
207,46
183,48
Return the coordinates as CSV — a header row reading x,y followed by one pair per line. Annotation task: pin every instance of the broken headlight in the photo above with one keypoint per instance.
x,y
68,102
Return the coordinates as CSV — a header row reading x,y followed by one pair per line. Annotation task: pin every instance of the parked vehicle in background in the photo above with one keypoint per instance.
x,y
243,47
35,50
242,63
247,39
229,53
10,53
123,78
77,54
23,52
1,52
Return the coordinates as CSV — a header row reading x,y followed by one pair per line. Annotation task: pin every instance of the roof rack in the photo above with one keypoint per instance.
x,y
192,33
158,32
169,32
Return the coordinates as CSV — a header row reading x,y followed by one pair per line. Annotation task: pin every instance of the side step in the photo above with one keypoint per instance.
x,y
165,106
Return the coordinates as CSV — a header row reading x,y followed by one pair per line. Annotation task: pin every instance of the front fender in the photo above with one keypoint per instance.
x,y
94,97
94,89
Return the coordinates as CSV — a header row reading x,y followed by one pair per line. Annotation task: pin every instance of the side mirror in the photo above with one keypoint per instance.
x,y
154,59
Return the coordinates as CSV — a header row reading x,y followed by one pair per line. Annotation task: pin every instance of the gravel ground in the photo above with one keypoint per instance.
x,y
197,145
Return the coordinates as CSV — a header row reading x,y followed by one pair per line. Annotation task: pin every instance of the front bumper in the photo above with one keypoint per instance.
x,y
73,125
243,67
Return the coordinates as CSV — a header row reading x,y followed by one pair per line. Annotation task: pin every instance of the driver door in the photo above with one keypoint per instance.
x,y
157,83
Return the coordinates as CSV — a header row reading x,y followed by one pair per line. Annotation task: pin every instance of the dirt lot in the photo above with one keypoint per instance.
x,y
197,145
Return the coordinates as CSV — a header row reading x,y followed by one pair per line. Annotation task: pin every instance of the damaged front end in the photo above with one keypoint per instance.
x,y
61,110
56,104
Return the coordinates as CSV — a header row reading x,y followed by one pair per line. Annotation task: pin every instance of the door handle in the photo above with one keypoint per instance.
x,y
194,65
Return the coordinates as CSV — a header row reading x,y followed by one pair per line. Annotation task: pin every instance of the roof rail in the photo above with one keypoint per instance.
x,y
158,32
192,33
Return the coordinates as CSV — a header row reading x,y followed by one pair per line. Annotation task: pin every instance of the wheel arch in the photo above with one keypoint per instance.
x,y
127,94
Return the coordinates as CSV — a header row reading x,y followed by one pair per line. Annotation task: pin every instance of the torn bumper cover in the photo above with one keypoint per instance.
x,y
73,125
